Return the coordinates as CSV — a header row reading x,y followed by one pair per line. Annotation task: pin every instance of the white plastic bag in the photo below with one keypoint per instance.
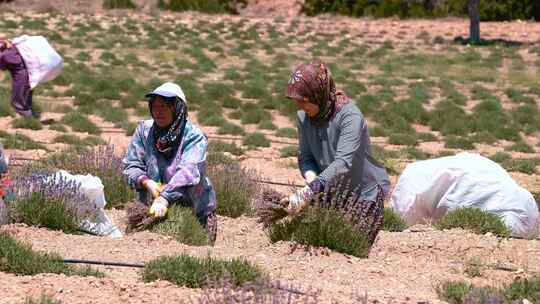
x,y
42,61
427,190
92,187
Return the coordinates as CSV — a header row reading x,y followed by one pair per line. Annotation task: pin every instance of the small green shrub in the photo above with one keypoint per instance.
x,y
58,127
231,128
289,151
322,227
183,225
231,102
20,142
217,91
266,125
193,272
113,114
403,139
287,132
5,106
536,196
473,268
92,140
80,123
518,96
524,288
214,119
69,139
427,137
43,299
524,165
27,123
393,221
83,56
500,157
475,220
484,137
19,258
521,288
256,139
521,146
458,142
221,146
130,128
115,4
454,292
449,121
253,114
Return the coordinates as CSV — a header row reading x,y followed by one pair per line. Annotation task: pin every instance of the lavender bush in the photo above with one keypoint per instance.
x,y
261,292
338,218
49,200
100,161
235,186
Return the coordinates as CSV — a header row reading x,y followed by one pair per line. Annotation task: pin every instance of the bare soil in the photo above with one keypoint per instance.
x,y
403,267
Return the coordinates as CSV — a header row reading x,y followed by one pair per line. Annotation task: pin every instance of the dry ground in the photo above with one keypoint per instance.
x,y
403,267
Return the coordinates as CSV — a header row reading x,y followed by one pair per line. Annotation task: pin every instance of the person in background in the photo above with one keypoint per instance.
x,y
166,159
21,93
334,144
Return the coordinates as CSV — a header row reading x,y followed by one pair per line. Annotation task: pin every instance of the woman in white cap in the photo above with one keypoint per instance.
x,y
166,159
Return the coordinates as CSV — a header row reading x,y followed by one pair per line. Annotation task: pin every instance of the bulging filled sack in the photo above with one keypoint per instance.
x,y
427,190
42,61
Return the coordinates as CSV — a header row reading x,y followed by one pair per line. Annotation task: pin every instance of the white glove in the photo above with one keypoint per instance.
x,y
310,176
159,207
152,187
298,200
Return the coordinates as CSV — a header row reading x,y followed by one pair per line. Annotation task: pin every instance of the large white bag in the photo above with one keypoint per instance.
x,y
427,190
42,61
92,187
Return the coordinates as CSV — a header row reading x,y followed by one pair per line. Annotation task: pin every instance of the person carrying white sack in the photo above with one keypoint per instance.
x,y
30,60
427,190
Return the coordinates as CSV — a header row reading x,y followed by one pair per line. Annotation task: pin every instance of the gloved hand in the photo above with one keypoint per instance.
x,y
310,176
298,200
152,187
159,207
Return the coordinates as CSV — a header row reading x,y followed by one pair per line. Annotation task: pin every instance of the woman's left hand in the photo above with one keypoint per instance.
x,y
159,207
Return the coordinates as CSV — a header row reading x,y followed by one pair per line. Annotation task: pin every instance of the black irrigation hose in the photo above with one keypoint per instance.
x,y
277,183
103,263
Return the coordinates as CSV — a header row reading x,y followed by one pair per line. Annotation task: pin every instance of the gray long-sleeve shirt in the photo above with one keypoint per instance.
x,y
341,148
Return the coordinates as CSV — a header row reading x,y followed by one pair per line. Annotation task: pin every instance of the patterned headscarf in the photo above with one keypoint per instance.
x,y
315,82
168,138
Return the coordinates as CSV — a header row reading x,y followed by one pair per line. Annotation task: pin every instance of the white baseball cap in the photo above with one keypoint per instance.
x,y
168,89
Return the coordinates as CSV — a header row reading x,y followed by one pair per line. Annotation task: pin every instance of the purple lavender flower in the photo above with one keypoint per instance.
x,y
55,187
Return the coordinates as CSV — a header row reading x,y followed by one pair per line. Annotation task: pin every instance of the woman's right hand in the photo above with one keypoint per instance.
x,y
152,187
6,43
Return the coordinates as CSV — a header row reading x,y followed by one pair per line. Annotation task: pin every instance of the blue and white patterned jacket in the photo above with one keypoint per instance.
x,y
184,174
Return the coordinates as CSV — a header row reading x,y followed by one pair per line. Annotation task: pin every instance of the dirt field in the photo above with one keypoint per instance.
x,y
403,267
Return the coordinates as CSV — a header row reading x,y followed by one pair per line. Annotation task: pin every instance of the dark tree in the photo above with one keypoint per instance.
x,y
536,10
474,15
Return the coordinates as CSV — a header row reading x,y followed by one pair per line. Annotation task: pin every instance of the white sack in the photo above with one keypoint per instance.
x,y
427,190
42,61
92,187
